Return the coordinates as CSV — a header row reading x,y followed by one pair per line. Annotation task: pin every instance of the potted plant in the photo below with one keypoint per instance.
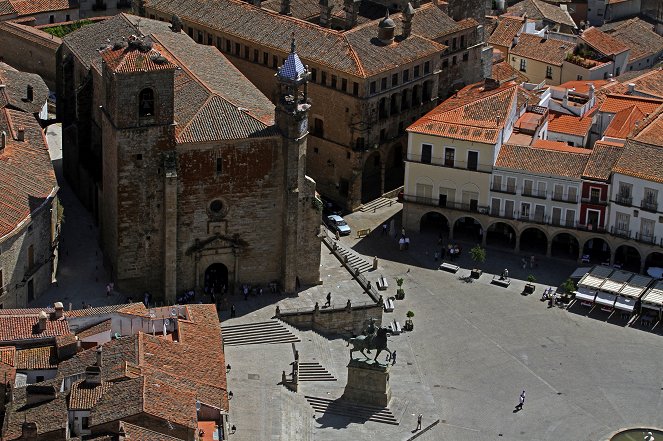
x,y
400,293
408,323
529,287
478,255
568,288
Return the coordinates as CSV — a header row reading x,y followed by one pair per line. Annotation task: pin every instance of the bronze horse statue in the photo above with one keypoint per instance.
x,y
368,342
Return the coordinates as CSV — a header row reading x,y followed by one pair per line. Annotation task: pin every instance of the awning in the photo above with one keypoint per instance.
x,y
605,299
579,272
584,295
625,304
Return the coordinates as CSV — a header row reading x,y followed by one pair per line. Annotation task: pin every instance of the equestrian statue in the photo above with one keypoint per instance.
x,y
377,340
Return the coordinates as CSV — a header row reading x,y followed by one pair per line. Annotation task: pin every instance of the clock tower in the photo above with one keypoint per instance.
x,y
292,120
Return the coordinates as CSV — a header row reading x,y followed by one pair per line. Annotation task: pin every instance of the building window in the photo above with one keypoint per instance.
x,y
318,127
462,41
359,144
40,378
383,84
445,62
572,195
594,195
219,43
622,222
210,40
323,78
314,75
334,80
449,156
190,32
256,55
146,103
216,206
228,46
67,17
355,89
238,49
51,18
394,80
85,423
426,153
472,160
219,166
275,61
523,65
466,56
344,85
453,44
549,72
579,77
406,75
416,71
524,210
511,185
454,61
373,86
246,52
265,58
427,67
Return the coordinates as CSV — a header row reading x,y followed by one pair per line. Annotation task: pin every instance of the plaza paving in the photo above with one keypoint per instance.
x,y
474,347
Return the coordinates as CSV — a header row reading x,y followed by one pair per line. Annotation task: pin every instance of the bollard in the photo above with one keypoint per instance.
x,y
375,262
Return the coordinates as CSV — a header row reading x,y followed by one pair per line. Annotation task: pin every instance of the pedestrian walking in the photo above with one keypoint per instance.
x,y
393,358
328,302
233,312
403,231
108,290
384,229
521,401
437,255
407,243
419,418
401,243
388,359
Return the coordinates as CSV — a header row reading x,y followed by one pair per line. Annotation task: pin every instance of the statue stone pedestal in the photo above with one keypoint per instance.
x,y
368,382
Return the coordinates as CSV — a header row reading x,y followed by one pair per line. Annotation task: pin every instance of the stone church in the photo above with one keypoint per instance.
x,y
202,179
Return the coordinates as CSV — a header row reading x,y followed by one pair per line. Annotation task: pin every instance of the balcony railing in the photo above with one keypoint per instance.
x,y
645,238
620,232
564,198
534,193
441,162
595,201
461,206
501,189
649,205
590,227
624,199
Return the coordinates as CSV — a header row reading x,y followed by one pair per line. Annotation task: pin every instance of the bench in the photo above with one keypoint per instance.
x,y
363,233
501,281
449,267
382,283
396,327
389,305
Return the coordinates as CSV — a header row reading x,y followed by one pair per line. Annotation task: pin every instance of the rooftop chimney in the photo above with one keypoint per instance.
x,y
30,93
386,29
590,91
325,13
43,318
351,11
99,359
39,394
176,24
631,88
3,141
59,309
285,7
490,84
92,375
408,14
28,431
20,134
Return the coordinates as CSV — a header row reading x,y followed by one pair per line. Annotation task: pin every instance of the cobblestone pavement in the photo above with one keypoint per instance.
x,y
474,348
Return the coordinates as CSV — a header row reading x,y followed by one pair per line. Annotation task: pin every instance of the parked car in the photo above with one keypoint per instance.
x,y
337,223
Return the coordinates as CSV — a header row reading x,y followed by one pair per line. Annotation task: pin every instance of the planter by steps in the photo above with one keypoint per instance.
x,y
400,294
409,325
476,273
529,288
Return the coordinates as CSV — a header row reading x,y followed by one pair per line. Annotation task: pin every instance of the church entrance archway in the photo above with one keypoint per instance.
x,y
216,279
371,179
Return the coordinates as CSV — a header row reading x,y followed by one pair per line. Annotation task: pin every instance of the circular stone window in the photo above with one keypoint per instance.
x,y
216,206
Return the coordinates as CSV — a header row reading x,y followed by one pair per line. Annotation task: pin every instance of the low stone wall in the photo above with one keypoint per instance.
x,y
347,321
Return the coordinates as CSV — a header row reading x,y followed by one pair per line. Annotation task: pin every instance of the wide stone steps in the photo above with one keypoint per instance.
x,y
257,333
353,259
311,371
352,410
376,204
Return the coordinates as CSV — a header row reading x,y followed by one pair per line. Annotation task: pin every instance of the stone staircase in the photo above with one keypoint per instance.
x,y
352,410
378,203
353,259
311,371
257,333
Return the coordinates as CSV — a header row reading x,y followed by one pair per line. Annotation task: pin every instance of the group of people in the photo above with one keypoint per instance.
x,y
532,262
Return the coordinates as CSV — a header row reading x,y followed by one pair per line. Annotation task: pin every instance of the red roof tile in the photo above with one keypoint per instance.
x,y
503,71
36,358
651,129
14,328
560,146
602,42
29,7
583,86
103,327
506,31
84,396
641,160
542,161
138,56
614,103
603,157
547,50
569,124
624,121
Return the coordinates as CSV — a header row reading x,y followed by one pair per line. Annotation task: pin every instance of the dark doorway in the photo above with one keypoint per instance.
x,y
468,229
216,279
596,250
371,179
433,222
31,291
628,258
501,234
395,169
533,240
565,246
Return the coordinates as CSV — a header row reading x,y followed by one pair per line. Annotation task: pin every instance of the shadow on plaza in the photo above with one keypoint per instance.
x,y
423,246
615,317
340,413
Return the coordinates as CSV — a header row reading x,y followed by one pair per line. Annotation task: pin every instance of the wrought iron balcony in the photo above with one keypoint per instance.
x,y
649,205
624,199
620,232
564,198
509,189
645,238
534,193
595,201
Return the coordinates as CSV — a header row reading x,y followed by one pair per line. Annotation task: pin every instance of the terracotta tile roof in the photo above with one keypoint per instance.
x,y
539,10
649,84
103,327
547,50
27,178
138,433
639,36
8,364
650,130
473,114
560,146
569,124
83,396
641,160
36,358
614,103
30,33
503,71
506,31
355,52
602,42
30,7
16,84
16,328
583,86
542,161
136,308
50,416
623,122
430,22
138,56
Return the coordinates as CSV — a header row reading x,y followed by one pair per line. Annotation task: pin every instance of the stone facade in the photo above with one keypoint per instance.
x,y
342,321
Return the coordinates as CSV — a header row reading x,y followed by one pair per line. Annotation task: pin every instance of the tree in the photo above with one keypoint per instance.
x,y
569,286
478,254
